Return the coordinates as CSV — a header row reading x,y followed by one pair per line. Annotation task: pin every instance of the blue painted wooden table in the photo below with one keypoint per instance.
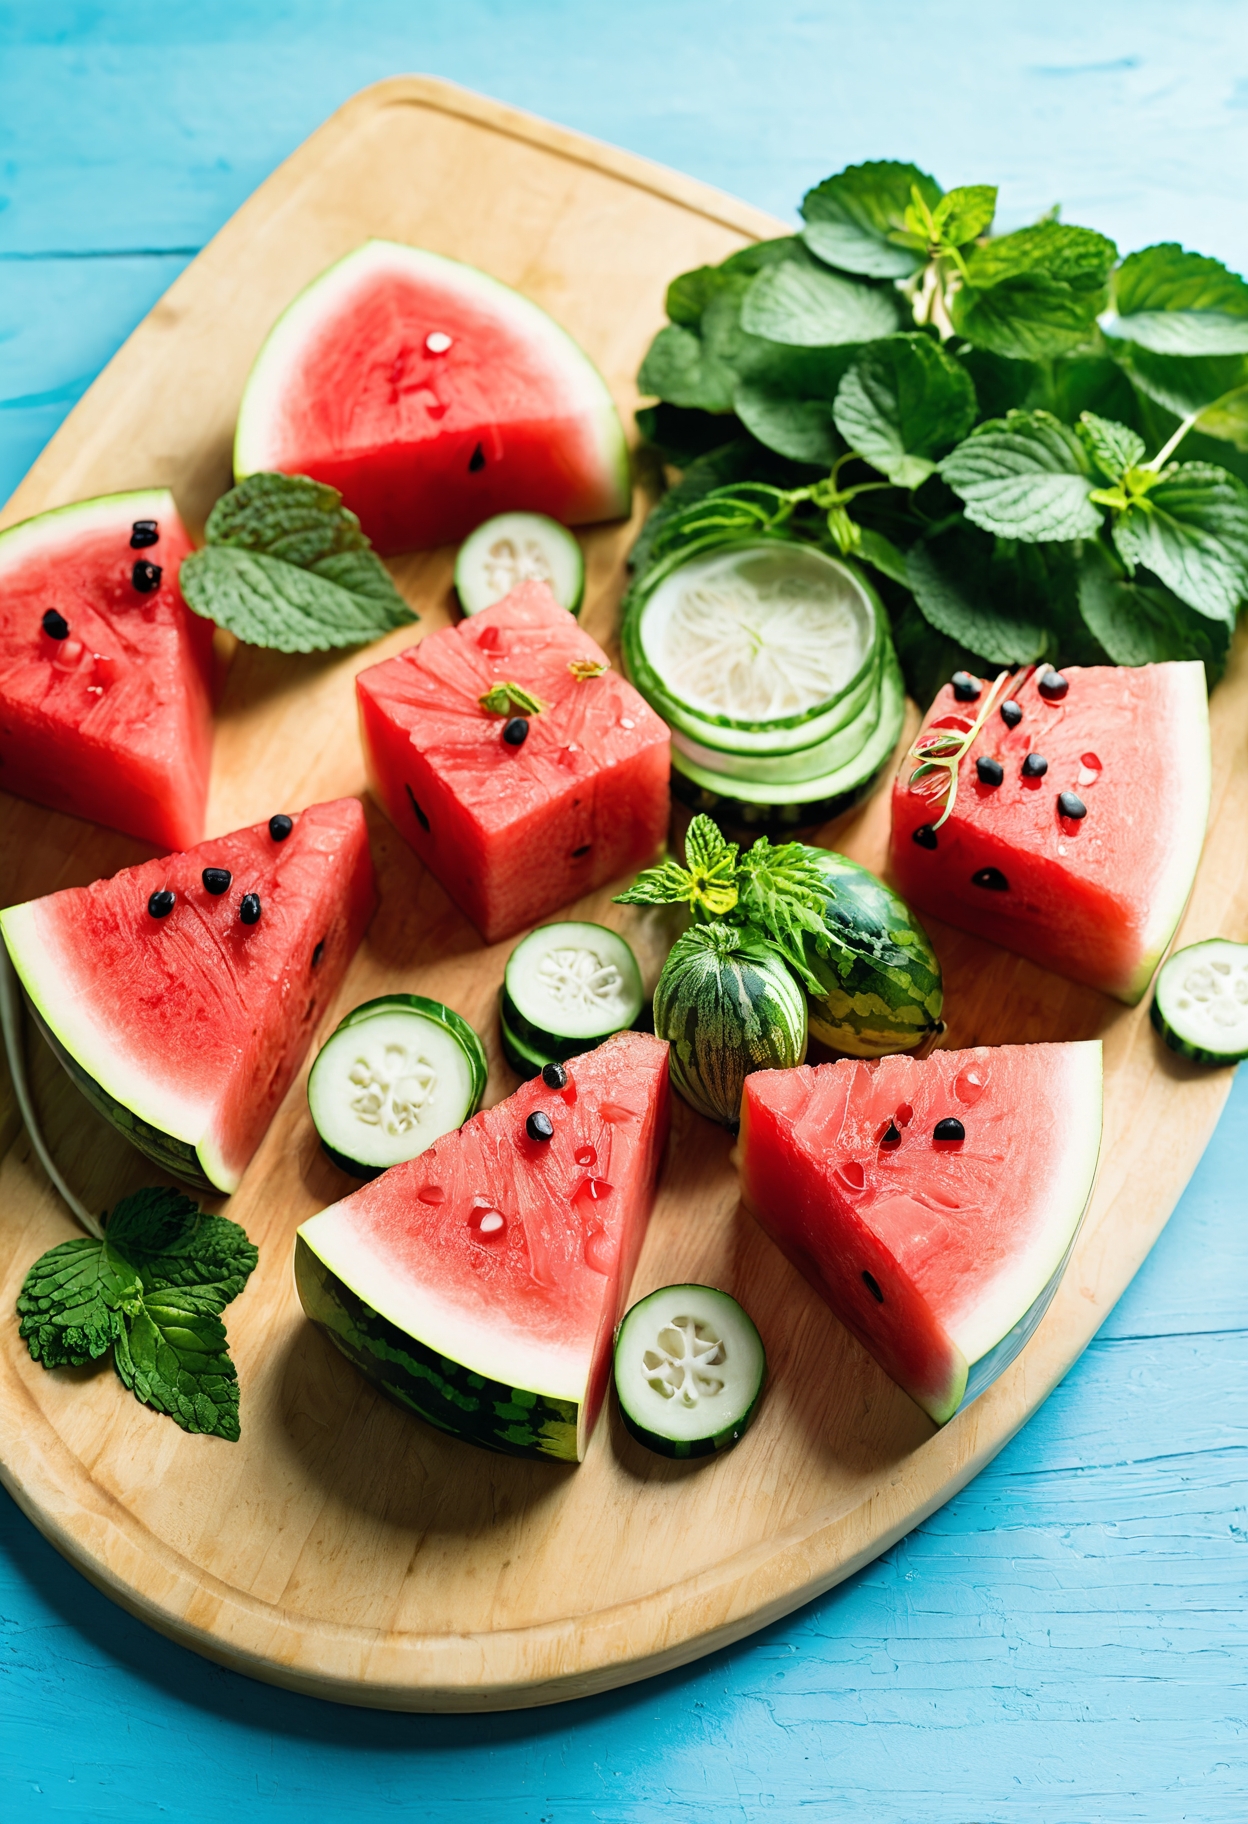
x,y
1065,1642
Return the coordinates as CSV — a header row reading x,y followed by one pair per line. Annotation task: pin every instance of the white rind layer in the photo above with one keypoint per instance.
x,y
47,532
1070,1172
58,997
278,361
1185,735
472,1335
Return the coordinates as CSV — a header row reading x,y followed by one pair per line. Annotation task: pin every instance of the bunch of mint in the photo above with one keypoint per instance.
x,y
152,1291
990,423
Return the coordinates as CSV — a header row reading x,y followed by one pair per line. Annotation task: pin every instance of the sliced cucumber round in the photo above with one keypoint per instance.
x,y
1200,1004
569,986
689,1371
523,1059
395,1075
787,769
753,636
517,548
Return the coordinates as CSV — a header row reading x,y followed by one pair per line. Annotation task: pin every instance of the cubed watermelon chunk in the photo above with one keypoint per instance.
x,y
480,1285
185,1024
1095,897
515,832
939,1253
105,705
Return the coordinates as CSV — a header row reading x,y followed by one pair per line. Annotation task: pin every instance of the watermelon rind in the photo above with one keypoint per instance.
x,y
1189,784
280,354
890,998
435,1386
145,1106
41,534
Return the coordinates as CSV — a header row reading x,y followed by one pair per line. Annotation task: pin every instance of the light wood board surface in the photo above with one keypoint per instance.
x,y
342,1548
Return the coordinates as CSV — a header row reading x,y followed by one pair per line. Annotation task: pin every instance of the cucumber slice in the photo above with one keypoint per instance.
x,y
789,769
395,1075
569,986
1200,1004
689,1371
516,548
757,637
523,1059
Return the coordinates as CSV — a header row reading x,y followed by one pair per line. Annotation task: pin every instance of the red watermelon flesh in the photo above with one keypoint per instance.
x,y
432,397
113,722
939,1256
1098,898
194,1024
514,833
480,1284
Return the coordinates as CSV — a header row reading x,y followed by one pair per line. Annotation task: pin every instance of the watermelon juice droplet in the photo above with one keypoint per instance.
x,y
904,1115
586,1155
599,1250
488,1223
437,342
431,1193
970,1084
852,1176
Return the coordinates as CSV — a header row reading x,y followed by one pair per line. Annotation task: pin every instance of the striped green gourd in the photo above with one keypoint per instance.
x,y
727,1004
882,991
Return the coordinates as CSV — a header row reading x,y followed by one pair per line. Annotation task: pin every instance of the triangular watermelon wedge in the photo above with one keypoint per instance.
x,y
432,396
186,1026
480,1285
105,707
940,1255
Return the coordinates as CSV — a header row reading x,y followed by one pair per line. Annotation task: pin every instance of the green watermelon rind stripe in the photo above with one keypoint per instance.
x,y
887,1002
513,1421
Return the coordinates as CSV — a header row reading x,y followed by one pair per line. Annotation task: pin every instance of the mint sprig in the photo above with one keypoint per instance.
x,y
286,565
152,1291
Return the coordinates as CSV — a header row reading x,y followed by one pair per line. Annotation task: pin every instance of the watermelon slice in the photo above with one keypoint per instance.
x,y
184,1024
515,831
480,1285
939,1254
1094,897
432,397
105,708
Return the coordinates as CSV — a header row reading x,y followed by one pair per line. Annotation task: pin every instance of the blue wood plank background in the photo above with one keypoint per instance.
x,y
1065,1642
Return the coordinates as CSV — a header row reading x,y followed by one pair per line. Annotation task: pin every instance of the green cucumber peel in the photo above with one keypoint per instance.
x,y
150,1293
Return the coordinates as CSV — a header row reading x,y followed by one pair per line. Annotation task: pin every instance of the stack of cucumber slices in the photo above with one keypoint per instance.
x,y
773,665
567,988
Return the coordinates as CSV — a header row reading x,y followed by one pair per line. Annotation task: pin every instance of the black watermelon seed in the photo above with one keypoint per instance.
x,y
421,819
991,772
950,1129
144,532
318,953
216,880
249,911
1053,686
873,1286
516,732
539,1126
583,850
992,878
55,625
1035,766
1071,806
161,904
925,836
891,1135
965,687
146,576
280,826
476,462
554,1076
1011,713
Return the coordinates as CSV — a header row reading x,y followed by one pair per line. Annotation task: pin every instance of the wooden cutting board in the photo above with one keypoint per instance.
x,y
343,1548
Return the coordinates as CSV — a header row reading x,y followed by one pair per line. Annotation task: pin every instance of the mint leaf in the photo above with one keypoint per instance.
x,y
965,213
882,554
173,1357
1114,448
286,566
1178,303
707,849
1036,293
71,1302
903,400
1025,476
783,893
1191,530
979,604
678,369
805,307
856,219
1144,623
690,292
173,1243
